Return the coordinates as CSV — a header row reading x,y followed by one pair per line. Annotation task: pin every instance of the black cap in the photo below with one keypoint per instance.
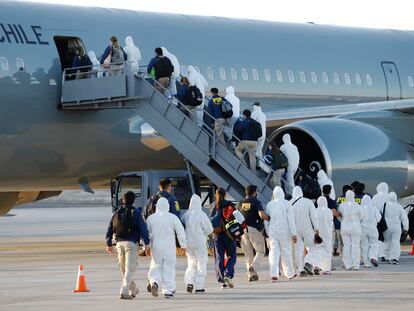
x,y
214,90
257,104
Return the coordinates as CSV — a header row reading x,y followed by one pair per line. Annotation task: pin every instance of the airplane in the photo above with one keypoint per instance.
x,y
344,95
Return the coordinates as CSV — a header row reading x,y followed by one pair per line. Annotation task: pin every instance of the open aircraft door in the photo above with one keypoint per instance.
x,y
392,80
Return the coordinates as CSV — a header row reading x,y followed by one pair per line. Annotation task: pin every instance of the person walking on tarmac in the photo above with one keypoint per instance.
x,y
223,245
253,242
128,227
165,189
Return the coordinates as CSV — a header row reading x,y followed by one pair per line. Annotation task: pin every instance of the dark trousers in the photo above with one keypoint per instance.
x,y
223,245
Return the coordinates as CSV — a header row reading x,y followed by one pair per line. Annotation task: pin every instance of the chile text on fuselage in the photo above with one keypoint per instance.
x,y
12,33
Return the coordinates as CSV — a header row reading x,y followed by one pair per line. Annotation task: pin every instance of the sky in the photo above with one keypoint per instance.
x,y
395,14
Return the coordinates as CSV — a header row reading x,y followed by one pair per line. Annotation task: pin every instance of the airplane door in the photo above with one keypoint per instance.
x,y
392,80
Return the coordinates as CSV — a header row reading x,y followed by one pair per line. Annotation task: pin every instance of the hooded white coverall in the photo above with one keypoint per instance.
x,y
172,88
323,180
352,216
280,229
378,201
292,154
134,54
369,232
325,221
96,65
395,216
235,102
200,82
197,228
260,117
162,227
306,223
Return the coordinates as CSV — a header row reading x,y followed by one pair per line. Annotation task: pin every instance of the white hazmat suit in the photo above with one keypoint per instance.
x,y
172,88
96,65
200,82
306,223
134,54
260,117
325,221
281,228
395,216
323,180
378,201
197,228
369,232
162,228
235,102
352,216
292,154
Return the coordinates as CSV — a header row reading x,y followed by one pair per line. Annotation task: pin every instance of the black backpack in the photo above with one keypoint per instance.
x,y
163,67
255,129
280,161
122,222
311,189
382,225
151,206
196,98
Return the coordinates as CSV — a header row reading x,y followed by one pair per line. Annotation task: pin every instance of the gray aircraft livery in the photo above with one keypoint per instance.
x,y
342,93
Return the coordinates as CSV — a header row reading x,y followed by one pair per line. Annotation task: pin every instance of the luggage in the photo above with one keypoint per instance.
x,y
255,129
122,222
117,56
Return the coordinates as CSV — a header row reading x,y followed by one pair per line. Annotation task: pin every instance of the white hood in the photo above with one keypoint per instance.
x,y
257,109
229,91
382,188
278,193
392,197
297,193
195,204
322,175
173,60
92,56
350,196
286,139
322,202
129,42
163,206
197,79
366,200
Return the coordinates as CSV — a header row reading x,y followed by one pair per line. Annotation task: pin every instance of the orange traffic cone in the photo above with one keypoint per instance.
x,y
81,283
412,249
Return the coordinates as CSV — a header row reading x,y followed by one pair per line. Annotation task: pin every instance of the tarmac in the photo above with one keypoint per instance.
x,y
42,246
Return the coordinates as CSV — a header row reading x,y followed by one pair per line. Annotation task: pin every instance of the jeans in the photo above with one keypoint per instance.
x,y
223,245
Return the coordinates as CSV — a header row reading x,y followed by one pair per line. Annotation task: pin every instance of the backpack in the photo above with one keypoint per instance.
x,y
117,55
122,222
84,61
151,206
163,67
280,161
255,129
196,98
382,225
232,227
311,189
226,108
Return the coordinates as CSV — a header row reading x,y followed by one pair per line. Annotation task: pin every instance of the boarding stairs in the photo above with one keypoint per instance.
x,y
199,145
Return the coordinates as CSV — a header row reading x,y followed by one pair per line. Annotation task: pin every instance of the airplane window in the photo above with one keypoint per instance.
x,y
245,74
4,64
279,76
20,64
347,78
369,79
302,76
358,79
197,69
267,75
184,71
255,74
233,73
291,76
314,77
222,73
410,81
336,78
325,78
210,73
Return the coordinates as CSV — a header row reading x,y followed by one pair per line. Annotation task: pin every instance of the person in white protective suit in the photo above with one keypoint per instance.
x,y
235,102
96,65
260,117
378,201
352,216
323,180
200,82
307,226
197,227
369,232
134,54
292,154
162,228
281,230
395,216
325,221
172,88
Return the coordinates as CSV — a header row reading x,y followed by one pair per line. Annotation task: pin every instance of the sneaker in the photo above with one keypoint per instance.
x,y
394,262
327,273
355,268
308,268
135,293
149,288
154,290
200,291
316,271
228,282
123,296
303,274
273,279
253,278
389,261
374,262
383,259
190,288
366,266
293,277
168,296
224,286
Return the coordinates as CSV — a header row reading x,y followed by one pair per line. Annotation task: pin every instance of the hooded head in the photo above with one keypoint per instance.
x,y
92,56
230,90
195,203
392,197
286,139
297,193
191,69
382,187
350,196
322,202
366,200
163,206
129,41
164,51
278,193
321,175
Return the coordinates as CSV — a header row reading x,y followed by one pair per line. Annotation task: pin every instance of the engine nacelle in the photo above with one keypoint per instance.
x,y
350,150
